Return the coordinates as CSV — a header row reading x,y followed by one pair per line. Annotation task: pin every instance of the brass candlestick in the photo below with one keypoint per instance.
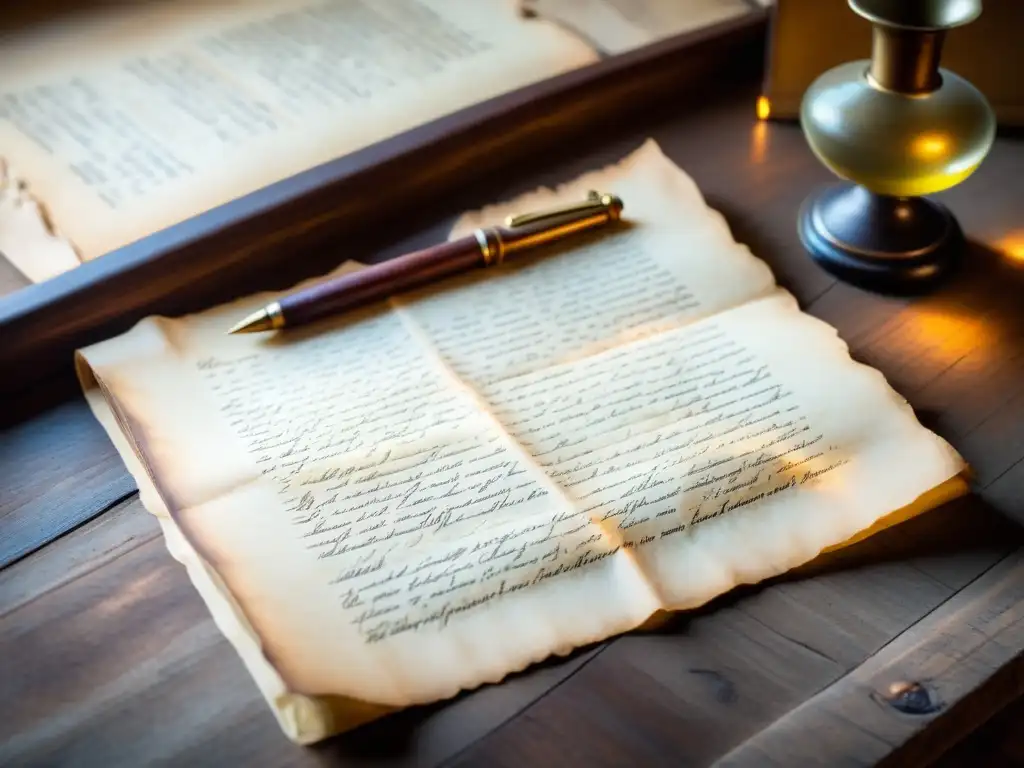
x,y
899,127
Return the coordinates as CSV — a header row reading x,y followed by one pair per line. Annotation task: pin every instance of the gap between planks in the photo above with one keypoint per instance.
x,y
111,533
914,682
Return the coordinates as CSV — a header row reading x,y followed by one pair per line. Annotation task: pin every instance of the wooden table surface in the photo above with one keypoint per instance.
x,y
889,651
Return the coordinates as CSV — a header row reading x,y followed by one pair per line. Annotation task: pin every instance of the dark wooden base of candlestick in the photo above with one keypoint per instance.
x,y
889,244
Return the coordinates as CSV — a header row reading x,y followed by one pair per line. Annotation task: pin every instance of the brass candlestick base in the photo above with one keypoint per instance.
x,y
893,244
899,127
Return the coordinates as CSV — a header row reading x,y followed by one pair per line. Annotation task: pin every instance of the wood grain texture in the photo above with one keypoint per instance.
x,y
880,711
711,680
57,470
717,677
999,743
107,602
110,658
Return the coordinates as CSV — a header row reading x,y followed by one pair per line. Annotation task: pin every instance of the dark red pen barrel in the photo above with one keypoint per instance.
x,y
378,282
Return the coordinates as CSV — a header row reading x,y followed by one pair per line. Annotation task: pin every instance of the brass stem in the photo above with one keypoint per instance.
x,y
906,60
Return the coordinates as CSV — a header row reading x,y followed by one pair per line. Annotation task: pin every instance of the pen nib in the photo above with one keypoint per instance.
x,y
254,323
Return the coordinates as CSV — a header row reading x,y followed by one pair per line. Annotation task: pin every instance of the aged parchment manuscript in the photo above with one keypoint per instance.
x,y
423,497
135,116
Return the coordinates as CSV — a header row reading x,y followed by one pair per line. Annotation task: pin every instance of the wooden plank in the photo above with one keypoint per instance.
x,y
680,695
97,543
1005,491
47,575
999,743
110,658
956,355
57,470
108,601
716,677
952,544
931,675
848,605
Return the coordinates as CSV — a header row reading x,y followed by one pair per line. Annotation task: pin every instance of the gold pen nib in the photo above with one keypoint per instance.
x,y
254,323
270,318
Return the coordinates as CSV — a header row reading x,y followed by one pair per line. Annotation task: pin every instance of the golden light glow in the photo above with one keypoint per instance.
x,y
759,143
1013,245
764,108
930,146
942,337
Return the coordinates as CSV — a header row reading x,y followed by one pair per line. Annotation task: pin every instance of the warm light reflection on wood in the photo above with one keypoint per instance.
x,y
759,143
947,335
129,594
1012,246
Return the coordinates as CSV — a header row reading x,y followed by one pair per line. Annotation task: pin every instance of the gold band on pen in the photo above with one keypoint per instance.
x,y
275,315
485,247
493,253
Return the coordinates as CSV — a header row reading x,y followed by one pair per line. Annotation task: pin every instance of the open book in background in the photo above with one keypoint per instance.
x,y
119,119
126,118
423,497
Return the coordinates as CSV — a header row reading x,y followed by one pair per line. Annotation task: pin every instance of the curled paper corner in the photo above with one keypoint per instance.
x,y
29,238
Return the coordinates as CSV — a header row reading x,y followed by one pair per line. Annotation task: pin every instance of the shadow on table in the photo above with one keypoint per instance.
x,y
959,528
431,735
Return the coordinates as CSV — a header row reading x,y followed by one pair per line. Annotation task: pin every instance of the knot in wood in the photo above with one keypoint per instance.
x,y
911,699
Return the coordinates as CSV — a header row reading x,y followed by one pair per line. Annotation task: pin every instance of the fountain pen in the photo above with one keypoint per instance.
x,y
485,247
